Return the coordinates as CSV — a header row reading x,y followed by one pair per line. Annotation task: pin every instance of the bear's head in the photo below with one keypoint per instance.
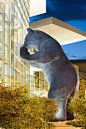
x,y
34,38
44,44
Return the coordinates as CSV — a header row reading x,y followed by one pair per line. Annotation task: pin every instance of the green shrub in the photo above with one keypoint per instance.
x,y
49,108
79,107
19,111
14,109
75,123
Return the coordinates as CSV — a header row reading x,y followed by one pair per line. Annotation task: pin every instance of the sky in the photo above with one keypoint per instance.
x,y
72,12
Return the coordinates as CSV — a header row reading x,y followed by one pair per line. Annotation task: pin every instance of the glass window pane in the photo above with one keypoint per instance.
x,y
3,6
15,62
16,13
7,11
12,59
1,49
7,80
22,79
15,75
12,32
7,68
2,33
15,23
19,41
24,70
18,77
7,54
12,45
18,65
9,2
2,16
12,7
7,25
19,21
12,19
1,76
21,68
7,39
16,49
16,3
16,38
19,53
12,72
1,65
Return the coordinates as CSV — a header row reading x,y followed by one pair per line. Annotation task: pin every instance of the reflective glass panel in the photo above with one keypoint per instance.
x,y
1,65
15,74
7,54
2,16
2,48
12,71
12,45
7,39
7,11
12,19
16,49
2,33
12,59
7,68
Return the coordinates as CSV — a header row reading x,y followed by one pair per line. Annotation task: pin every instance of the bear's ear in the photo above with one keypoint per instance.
x,y
28,29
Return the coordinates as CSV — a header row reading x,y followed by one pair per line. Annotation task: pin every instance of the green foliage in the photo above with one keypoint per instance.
x,y
14,109
75,123
79,107
49,108
19,111
49,126
82,88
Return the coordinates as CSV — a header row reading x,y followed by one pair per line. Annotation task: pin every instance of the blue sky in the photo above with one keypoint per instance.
x,y
72,12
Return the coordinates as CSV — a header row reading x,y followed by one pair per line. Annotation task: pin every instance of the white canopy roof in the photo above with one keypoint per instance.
x,y
61,31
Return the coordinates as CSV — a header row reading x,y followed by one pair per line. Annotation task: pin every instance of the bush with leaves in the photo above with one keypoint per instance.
x,y
50,108
19,111
82,88
36,113
14,109
79,107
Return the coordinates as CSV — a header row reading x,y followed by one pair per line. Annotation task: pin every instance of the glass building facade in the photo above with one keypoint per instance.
x,y
38,81
14,19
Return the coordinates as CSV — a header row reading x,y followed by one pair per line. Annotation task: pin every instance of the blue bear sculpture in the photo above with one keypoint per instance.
x,y
61,75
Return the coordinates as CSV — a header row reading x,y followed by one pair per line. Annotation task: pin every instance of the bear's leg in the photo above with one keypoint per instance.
x,y
62,100
61,113
71,116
